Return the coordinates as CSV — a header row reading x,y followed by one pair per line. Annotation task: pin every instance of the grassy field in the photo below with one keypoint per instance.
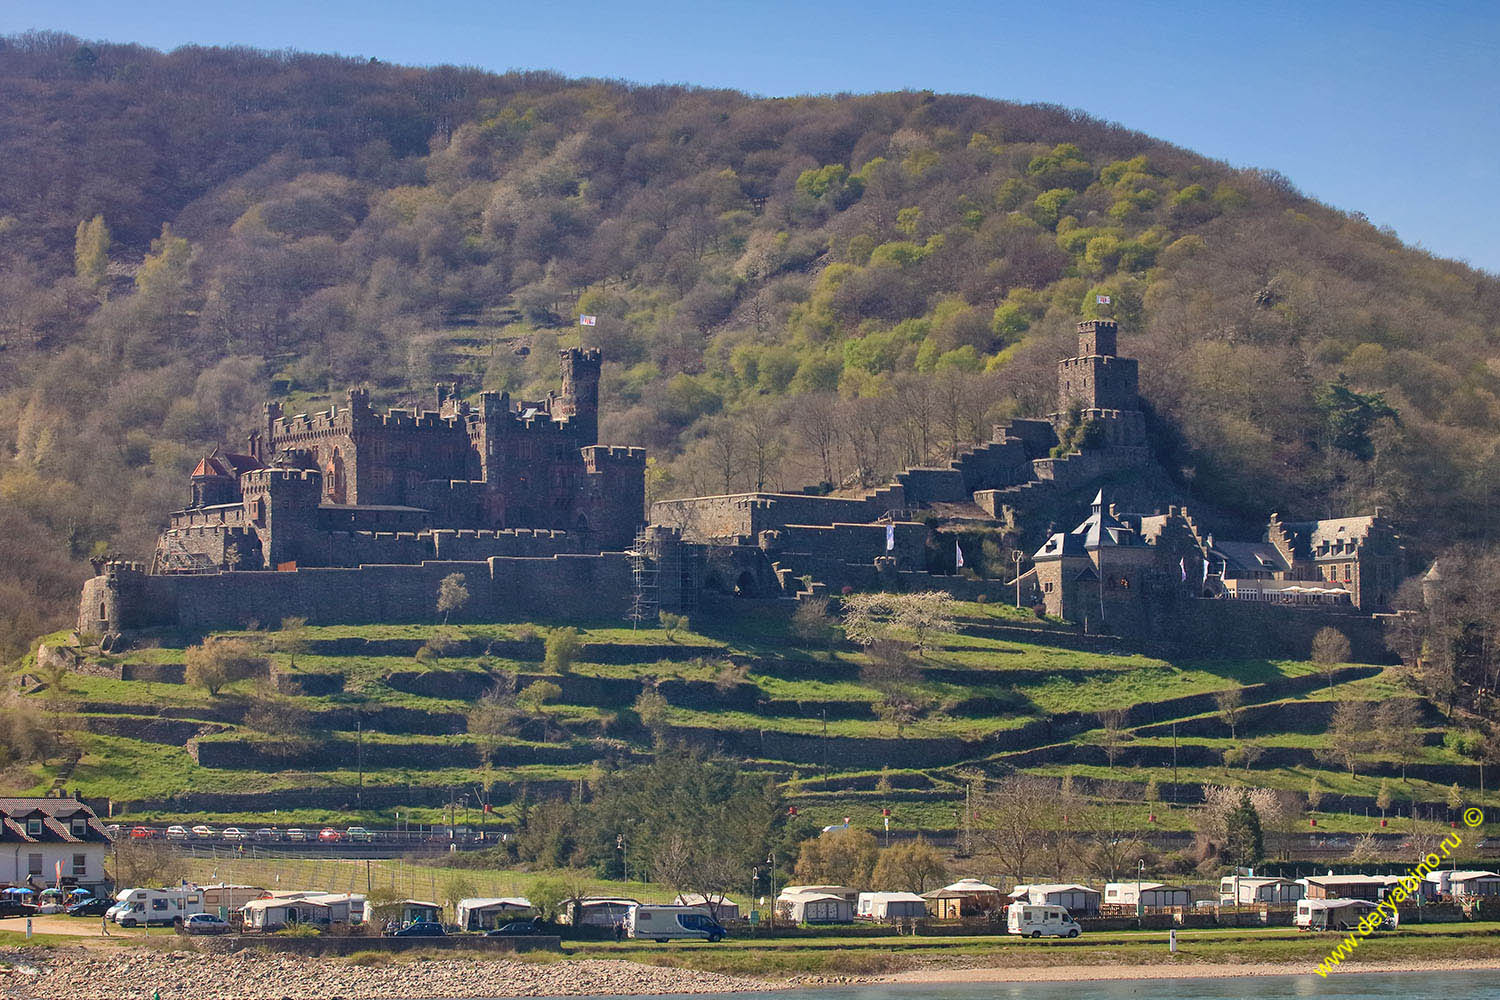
x,y
978,687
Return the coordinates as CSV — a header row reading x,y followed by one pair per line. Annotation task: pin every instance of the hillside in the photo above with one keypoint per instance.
x,y
415,706
787,291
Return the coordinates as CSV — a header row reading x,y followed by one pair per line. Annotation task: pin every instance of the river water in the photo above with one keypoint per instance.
x,y
1407,985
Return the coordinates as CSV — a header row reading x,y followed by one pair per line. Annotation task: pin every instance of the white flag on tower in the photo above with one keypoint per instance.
x,y
958,555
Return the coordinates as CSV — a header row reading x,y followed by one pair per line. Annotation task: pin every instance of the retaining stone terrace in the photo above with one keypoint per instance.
x,y
337,797
235,754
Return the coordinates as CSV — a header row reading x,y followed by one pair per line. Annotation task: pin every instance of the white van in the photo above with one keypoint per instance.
x,y
670,923
156,907
1034,920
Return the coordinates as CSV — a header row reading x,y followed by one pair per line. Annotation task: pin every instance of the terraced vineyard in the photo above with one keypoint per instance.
x,y
381,722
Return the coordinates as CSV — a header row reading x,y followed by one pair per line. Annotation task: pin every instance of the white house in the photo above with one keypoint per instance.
x,y
482,913
1080,900
1464,884
1151,894
53,840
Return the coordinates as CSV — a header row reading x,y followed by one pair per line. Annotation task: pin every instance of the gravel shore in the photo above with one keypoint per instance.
x,y
92,974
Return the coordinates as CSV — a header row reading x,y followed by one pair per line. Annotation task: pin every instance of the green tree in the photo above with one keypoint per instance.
x,y
913,866
548,896
845,856
1383,797
452,595
1244,843
91,244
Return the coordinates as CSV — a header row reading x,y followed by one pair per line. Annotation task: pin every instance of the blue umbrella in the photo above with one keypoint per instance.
x,y
17,890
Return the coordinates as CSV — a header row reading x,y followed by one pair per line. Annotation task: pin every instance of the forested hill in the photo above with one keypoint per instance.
x,y
788,291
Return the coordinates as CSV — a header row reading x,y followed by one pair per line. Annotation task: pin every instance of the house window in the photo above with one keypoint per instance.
x,y
80,865
1048,587
33,827
80,826
34,864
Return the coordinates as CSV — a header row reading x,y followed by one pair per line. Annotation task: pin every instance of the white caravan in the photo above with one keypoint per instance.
x,y
156,907
670,923
1033,920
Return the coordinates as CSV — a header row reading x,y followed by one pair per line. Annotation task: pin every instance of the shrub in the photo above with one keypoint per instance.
x,y
217,662
564,646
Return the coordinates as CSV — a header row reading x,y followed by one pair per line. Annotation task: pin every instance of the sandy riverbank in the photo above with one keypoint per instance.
x,y
97,974
1184,970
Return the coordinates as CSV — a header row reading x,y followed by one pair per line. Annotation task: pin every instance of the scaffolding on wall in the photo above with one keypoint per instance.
x,y
645,606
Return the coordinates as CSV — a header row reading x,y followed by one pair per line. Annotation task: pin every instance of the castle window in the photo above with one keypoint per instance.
x,y
102,613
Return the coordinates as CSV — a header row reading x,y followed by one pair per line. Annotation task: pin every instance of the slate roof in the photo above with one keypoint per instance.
x,y
56,815
1250,557
1312,538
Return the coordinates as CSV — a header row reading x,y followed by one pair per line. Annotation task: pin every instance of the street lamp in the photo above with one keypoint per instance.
x,y
1140,906
623,846
771,860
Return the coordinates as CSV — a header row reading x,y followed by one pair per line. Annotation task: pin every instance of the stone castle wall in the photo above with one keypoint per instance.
x,y
564,585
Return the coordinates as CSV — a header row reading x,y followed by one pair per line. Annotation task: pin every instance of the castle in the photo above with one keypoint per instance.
x,y
361,515
348,485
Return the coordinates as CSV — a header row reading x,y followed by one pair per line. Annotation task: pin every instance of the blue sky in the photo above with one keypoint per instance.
x,y
1390,109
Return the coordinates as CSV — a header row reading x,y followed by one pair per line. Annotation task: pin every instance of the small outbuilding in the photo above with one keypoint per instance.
x,y
814,908
597,911
1079,900
720,907
484,913
1151,895
1464,884
317,909
891,906
968,897
1248,890
1332,914
1367,887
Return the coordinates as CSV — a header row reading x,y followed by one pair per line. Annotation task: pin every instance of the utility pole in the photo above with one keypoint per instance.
x,y
1015,558
771,860
968,815
359,756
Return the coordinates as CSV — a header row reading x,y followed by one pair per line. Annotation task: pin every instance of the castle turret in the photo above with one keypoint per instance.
x,y
281,506
1101,387
579,402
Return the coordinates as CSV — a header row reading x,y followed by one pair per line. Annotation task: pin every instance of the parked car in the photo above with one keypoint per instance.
x,y
177,833
329,835
267,833
1037,920
359,835
204,832
142,833
235,833
422,928
10,907
297,835
113,831
90,907
206,923
515,928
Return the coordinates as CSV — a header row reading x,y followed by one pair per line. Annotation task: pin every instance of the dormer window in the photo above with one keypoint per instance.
x,y
34,827
80,826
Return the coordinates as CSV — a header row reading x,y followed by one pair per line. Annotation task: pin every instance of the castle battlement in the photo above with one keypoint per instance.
x,y
266,478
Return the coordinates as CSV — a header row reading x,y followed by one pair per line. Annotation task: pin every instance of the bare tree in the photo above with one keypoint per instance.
x,y
1230,703
1112,733
1009,812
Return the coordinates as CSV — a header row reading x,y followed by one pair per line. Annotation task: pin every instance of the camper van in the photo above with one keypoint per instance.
x,y
669,923
1032,920
156,907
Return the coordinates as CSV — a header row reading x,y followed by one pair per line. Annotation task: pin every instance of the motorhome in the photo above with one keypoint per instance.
x,y
156,907
668,923
1031,920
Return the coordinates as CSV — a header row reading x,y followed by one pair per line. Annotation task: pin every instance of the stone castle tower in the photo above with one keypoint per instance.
x,y
1101,386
